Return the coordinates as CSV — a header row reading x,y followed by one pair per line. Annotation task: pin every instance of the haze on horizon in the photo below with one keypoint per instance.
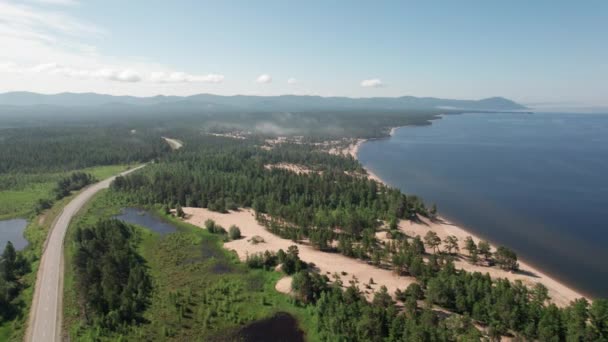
x,y
549,53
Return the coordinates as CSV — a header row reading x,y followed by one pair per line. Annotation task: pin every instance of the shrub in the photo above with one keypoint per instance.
x,y
234,232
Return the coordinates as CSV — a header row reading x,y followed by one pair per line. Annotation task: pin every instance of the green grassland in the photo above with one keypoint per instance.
x,y
20,203
36,233
201,291
20,192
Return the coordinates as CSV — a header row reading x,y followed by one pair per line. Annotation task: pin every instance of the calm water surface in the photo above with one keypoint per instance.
x,y
12,230
145,219
536,183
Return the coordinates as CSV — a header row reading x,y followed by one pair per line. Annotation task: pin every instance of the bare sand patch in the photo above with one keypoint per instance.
x,y
299,169
560,294
284,285
174,143
327,263
231,135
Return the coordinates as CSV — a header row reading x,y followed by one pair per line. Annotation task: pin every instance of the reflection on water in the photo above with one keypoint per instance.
x,y
12,230
145,219
535,183
202,252
280,327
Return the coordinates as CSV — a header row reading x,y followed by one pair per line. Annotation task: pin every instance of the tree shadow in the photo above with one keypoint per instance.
x,y
527,273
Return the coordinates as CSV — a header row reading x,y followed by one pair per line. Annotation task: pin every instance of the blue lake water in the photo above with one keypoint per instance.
x,y
537,183
145,219
12,230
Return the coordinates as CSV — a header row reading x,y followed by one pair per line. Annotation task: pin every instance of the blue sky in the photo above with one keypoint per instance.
x,y
530,51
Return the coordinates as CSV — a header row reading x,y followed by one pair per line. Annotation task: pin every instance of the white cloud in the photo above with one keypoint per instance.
x,y
123,75
373,83
44,67
36,21
37,35
264,78
292,80
58,2
127,75
181,77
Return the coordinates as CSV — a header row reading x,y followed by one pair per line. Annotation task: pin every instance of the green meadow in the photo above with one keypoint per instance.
x,y
19,193
201,291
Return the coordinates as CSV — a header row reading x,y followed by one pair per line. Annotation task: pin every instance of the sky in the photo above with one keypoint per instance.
x,y
534,52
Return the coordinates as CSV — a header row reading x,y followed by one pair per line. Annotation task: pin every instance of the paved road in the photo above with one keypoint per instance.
x,y
46,313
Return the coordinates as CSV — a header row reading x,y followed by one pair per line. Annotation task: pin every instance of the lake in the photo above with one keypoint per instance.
x,y
12,230
534,182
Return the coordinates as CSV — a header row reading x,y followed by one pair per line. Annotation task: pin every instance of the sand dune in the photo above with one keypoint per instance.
x,y
328,263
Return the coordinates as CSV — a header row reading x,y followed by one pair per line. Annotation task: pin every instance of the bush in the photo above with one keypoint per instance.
x,y
214,228
266,260
234,232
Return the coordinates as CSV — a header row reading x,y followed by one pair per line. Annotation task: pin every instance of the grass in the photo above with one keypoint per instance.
x,y
36,233
201,290
19,193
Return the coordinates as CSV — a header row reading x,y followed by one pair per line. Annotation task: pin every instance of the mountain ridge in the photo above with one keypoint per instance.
x,y
262,103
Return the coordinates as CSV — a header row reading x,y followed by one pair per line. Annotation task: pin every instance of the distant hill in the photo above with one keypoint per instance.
x,y
257,103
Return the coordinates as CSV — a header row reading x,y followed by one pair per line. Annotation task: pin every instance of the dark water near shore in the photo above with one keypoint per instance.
x,y
536,183
145,219
12,230
278,328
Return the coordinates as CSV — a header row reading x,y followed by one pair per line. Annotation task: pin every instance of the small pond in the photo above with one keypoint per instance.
x,y
12,230
280,327
145,219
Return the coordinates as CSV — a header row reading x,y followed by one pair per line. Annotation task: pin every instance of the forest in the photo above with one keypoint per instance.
x,y
52,149
335,205
112,277
12,267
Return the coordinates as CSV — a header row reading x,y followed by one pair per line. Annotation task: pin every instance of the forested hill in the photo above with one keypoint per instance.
x,y
256,103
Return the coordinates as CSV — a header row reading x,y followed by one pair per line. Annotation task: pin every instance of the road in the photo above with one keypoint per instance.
x,y
46,312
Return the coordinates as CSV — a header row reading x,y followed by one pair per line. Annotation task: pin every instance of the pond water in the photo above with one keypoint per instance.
x,y
145,219
199,253
280,327
12,230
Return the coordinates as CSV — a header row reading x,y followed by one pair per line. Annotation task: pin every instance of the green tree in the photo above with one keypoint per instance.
x,y
470,245
432,240
484,249
598,315
506,259
8,262
451,244
550,326
179,211
576,316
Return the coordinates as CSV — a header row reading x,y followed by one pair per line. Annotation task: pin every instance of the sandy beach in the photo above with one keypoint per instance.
x,y
360,271
560,294
353,150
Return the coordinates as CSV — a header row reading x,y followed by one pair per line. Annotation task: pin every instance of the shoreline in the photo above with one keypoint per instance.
x,y
561,294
